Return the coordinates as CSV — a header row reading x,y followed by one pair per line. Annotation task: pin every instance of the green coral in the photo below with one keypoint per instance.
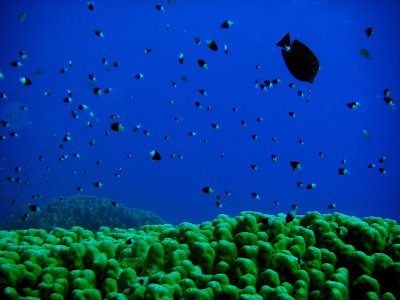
x,y
252,256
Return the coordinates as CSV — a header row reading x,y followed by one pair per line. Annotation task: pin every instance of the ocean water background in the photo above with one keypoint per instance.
x,y
55,32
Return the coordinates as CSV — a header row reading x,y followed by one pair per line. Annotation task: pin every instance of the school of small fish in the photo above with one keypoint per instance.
x,y
299,59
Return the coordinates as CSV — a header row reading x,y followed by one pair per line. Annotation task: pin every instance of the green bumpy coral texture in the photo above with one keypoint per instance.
x,y
251,256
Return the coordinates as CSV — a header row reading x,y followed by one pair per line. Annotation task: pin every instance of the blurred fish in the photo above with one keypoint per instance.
x,y
254,167
227,24
332,206
115,64
243,123
197,104
299,59
192,133
299,184
255,196
155,155
364,53
382,159
197,41
218,204
275,81
90,5
259,119
254,136
136,127
33,208
366,134
98,33
147,50
24,216
138,76
300,93
114,204
203,92
343,171
291,85
21,16
228,193
386,92
225,49
215,126
37,73
207,190
301,142
159,7
371,166
382,170
292,114
79,188
368,31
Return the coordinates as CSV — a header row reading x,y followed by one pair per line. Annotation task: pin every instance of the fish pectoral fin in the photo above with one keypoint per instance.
x,y
285,41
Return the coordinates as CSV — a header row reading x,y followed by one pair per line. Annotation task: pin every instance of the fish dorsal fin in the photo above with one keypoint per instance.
x,y
285,41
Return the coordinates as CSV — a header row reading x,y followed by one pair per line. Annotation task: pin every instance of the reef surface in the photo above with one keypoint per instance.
x,y
251,256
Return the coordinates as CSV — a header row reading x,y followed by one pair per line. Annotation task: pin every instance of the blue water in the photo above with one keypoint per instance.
x,y
55,32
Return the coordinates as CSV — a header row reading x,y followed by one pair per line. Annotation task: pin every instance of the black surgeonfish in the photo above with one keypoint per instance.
x,y
299,59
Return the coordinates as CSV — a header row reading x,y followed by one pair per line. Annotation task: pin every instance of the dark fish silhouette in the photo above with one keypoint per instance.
x,y
299,59
369,31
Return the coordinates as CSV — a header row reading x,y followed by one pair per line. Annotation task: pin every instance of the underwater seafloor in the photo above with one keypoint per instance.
x,y
250,256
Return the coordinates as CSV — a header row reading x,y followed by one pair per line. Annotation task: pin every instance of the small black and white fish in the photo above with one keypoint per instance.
x,y
299,184
33,207
116,126
25,81
353,105
227,24
207,190
212,45
255,196
343,171
295,165
15,63
139,76
97,184
202,63
159,7
203,92
290,216
155,155
311,186
98,33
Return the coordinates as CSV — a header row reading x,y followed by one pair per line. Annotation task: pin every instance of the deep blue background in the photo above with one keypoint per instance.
x,y
55,32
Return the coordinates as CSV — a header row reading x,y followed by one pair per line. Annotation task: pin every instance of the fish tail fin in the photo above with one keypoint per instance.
x,y
285,41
